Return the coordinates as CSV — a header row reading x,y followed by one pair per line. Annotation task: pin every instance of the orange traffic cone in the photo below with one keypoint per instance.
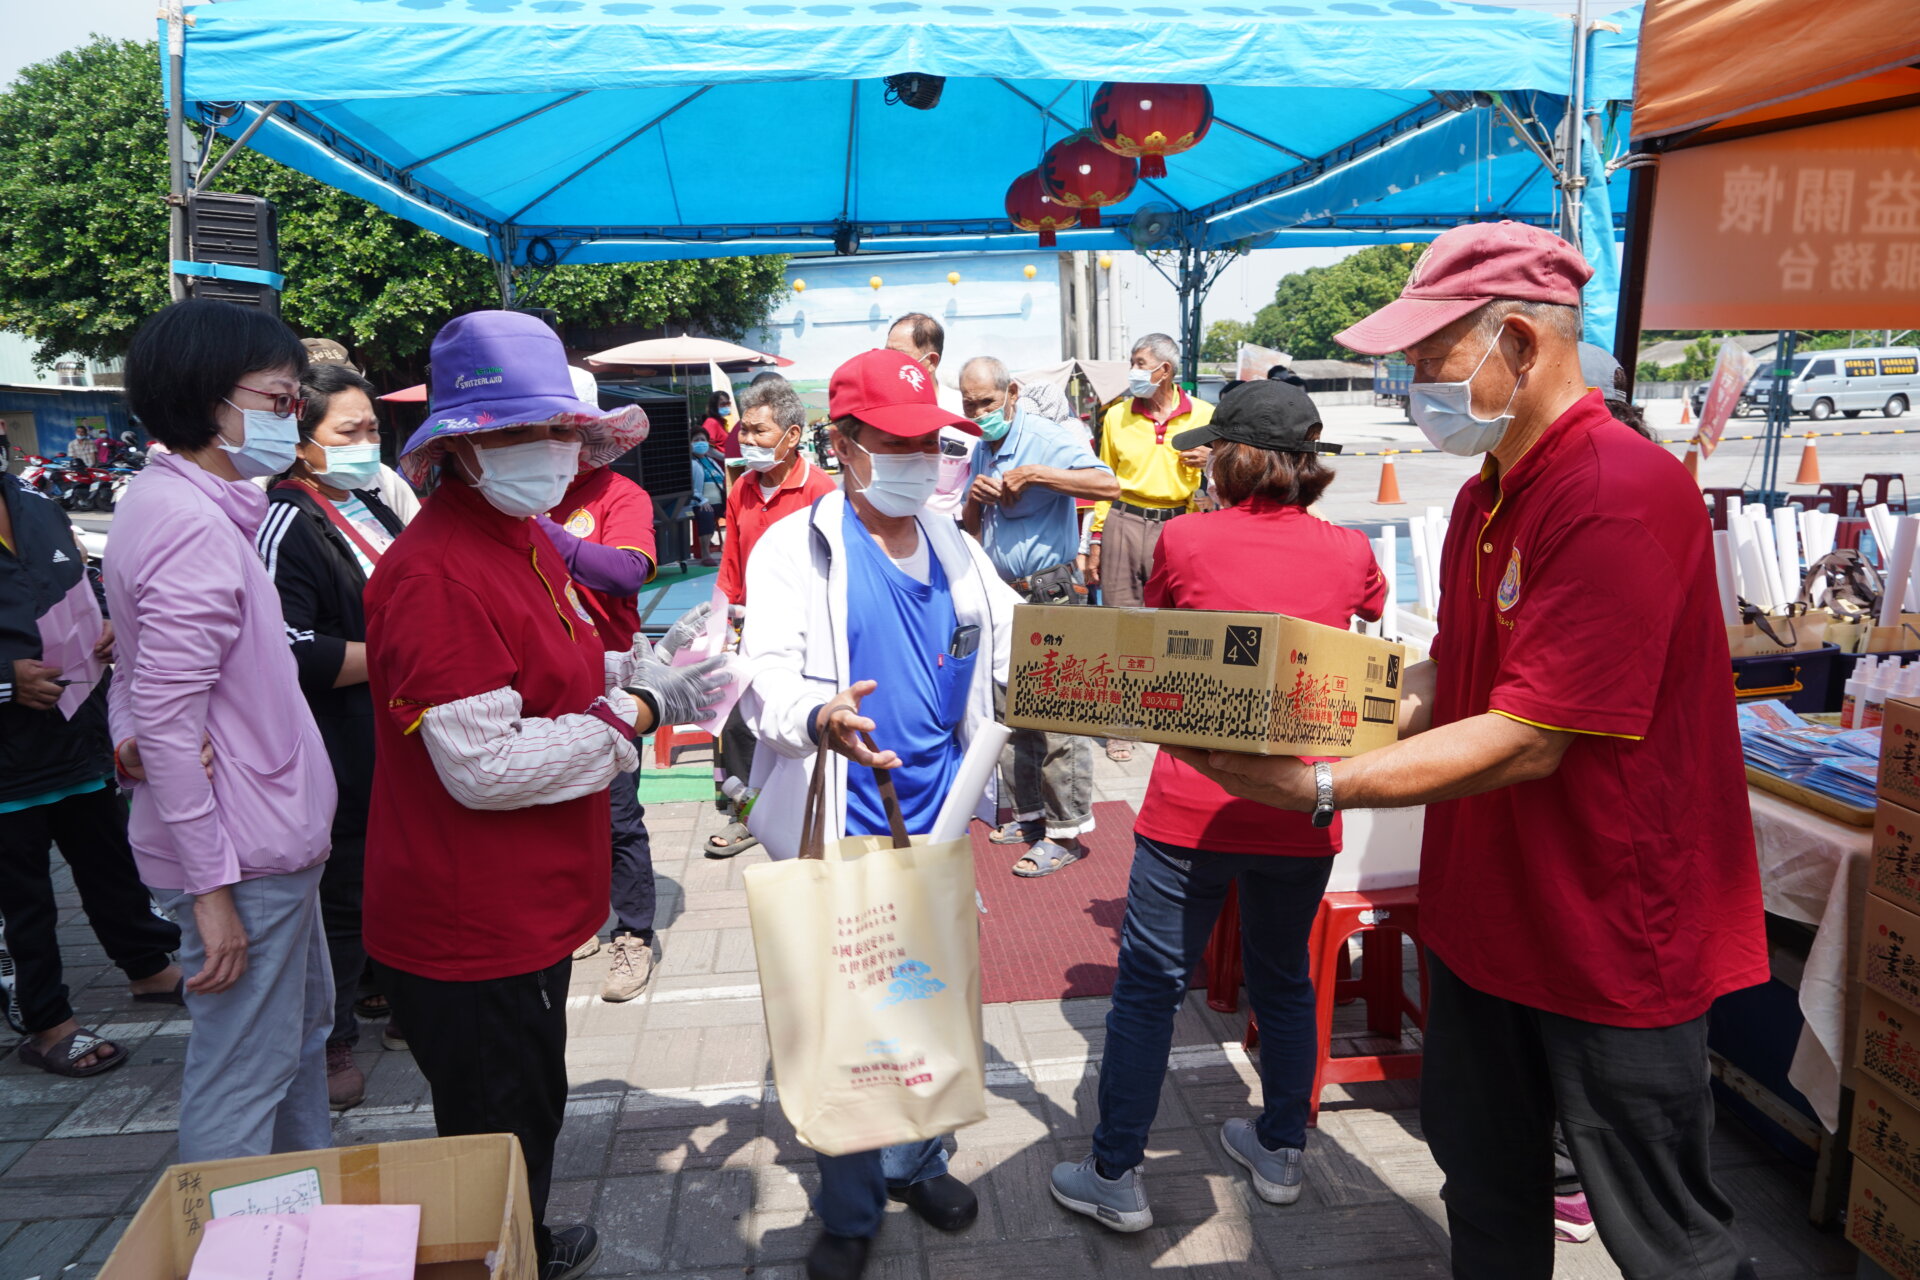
x,y
1389,494
1692,462
1809,464
1686,412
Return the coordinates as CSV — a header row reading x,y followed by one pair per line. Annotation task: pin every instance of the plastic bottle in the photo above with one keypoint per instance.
x,y
1850,705
1886,680
742,797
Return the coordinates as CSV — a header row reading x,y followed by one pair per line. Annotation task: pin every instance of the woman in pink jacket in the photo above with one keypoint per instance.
x,y
232,795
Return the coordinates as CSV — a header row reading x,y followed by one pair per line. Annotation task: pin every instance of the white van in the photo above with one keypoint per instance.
x,y
1850,381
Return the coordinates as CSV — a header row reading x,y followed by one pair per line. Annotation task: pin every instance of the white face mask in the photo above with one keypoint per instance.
x,y
902,482
1444,413
1140,383
269,446
350,466
527,479
756,457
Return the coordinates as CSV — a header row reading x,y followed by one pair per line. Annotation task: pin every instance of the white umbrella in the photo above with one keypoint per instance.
x,y
668,352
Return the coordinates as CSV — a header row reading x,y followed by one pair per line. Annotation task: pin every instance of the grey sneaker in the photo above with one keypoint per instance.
x,y
632,967
1277,1175
1120,1205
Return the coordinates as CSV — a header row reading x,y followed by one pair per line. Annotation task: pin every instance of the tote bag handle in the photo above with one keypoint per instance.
x,y
813,819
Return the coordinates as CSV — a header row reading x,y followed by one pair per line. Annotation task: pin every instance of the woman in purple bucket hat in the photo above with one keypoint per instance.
x,y
501,720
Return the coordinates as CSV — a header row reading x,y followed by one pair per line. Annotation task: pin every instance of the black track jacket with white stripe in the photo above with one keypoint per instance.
x,y
320,585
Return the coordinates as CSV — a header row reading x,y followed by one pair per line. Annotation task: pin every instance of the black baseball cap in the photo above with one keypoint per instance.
x,y
1264,414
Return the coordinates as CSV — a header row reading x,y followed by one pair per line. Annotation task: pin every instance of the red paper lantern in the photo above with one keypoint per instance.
x,y
1080,173
1150,122
1030,209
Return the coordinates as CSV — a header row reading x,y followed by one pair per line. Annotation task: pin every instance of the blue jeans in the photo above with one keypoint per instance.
x,y
1173,899
853,1188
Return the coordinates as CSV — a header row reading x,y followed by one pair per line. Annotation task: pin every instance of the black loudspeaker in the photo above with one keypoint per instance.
x,y
237,231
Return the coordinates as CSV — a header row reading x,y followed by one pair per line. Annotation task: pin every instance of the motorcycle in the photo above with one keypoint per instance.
x,y
76,484
38,472
112,486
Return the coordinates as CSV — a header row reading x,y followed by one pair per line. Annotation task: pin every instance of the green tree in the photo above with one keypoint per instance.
x,y
1310,306
1223,340
83,236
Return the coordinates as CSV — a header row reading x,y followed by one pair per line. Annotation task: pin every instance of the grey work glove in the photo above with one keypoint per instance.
x,y
682,695
691,625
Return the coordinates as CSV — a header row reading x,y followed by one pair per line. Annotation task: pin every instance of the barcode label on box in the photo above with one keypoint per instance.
x,y
1379,710
1190,647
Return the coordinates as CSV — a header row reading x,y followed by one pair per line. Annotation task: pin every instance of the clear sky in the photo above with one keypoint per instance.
x,y
36,30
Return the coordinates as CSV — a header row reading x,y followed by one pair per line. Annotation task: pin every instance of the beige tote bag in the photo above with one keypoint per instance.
x,y
869,956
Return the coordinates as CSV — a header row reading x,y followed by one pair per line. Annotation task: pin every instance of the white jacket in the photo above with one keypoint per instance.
x,y
796,643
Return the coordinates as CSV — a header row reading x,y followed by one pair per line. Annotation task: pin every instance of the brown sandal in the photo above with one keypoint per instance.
x,y
60,1059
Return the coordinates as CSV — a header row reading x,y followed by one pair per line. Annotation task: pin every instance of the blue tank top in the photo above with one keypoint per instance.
x,y
896,630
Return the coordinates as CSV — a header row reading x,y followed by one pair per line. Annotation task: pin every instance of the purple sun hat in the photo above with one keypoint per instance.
x,y
497,369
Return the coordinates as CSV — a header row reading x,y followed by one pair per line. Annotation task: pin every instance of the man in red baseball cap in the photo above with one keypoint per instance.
x,y
870,616
1588,883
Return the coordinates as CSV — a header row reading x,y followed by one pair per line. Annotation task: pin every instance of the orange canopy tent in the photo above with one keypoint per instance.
x,y
1776,174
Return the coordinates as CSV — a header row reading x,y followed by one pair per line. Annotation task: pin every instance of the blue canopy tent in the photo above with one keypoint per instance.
x,y
580,131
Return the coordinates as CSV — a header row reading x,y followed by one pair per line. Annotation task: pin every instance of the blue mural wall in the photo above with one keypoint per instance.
x,y
57,413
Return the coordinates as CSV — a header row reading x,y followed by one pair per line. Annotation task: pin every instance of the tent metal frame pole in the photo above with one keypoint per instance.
x,y
1779,419
213,170
1231,127
497,129
648,127
177,250
1573,182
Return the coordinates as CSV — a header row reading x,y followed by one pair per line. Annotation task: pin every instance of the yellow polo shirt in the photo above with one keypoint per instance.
x,y
1140,450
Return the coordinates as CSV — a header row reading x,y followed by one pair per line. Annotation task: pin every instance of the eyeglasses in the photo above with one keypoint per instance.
x,y
283,406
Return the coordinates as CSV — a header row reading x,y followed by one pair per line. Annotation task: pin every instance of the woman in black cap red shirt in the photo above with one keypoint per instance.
x,y
1193,841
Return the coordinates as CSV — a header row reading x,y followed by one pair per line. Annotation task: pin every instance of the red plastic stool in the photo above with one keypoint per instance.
x,y
1382,917
669,738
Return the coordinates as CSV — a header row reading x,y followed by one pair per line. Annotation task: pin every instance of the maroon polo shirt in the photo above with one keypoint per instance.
x,y
606,507
1225,560
470,600
1578,593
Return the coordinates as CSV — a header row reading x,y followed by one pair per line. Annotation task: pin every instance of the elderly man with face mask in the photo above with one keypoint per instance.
x,y
502,718
1588,884
1025,477
871,615
1156,480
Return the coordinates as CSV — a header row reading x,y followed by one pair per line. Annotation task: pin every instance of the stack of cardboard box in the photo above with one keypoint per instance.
x,y
1883,1218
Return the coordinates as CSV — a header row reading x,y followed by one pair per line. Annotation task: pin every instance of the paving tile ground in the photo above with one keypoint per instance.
x,y
676,1150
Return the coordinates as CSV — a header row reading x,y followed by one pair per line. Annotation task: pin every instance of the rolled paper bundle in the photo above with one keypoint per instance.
x,y
970,782
1899,570
1724,575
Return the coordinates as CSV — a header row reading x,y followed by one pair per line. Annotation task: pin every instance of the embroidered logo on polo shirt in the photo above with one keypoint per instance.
x,y
580,610
1509,593
580,523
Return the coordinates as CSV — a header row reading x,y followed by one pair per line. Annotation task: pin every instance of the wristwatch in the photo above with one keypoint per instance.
x,y
1323,794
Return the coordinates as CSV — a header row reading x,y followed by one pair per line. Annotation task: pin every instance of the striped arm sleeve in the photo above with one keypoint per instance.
x,y
489,756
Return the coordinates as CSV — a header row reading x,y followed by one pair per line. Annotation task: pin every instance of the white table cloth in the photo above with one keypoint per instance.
x,y
1814,870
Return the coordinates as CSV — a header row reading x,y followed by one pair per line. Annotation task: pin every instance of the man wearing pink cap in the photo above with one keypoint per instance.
x,y
1588,884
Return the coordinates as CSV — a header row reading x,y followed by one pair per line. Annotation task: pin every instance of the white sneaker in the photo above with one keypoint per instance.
x,y
591,947
631,971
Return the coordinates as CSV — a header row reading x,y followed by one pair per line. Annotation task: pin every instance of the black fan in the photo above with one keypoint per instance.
x,y
915,89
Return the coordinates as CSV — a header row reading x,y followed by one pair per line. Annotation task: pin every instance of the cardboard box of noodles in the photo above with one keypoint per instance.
x,y
1260,683
1896,855
1890,951
1884,1224
1887,1045
1900,752
1886,1135
474,1218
